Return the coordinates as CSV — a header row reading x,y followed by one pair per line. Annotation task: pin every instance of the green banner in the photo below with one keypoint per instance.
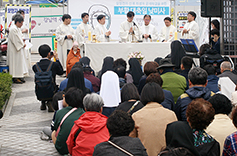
x,y
48,5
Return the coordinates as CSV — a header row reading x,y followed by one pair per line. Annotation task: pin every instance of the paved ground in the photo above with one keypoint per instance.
x,y
22,122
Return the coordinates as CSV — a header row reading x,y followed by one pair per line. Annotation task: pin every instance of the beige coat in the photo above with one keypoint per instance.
x,y
220,128
150,126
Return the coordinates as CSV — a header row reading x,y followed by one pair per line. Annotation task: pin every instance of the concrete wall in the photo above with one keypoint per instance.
x,y
44,24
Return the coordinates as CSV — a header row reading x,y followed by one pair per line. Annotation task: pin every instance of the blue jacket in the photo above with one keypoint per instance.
x,y
212,83
63,85
189,95
169,100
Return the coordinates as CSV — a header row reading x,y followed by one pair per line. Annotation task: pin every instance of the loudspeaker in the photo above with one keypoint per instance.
x,y
211,8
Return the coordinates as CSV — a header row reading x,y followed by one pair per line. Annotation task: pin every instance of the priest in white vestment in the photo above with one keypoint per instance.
x,y
25,32
191,28
167,32
15,52
101,32
65,36
83,31
149,31
129,31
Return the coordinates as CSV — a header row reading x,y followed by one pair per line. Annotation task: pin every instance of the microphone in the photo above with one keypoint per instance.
x,y
134,24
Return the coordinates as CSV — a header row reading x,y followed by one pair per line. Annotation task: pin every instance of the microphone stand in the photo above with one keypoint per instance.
x,y
139,34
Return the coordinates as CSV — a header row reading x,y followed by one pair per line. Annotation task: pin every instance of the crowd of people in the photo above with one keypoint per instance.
x,y
166,107
169,106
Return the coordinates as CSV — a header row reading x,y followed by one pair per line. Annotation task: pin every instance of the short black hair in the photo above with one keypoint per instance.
x,y
215,32
66,16
203,48
120,123
130,14
210,69
74,97
20,12
216,23
120,61
120,71
57,97
77,65
152,92
167,18
193,14
197,76
86,68
100,17
128,92
157,60
221,104
44,50
18,18
84,14
187,62
154,77
147,16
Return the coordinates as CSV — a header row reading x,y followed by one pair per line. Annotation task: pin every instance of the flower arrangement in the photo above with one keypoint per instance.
x,y
137,55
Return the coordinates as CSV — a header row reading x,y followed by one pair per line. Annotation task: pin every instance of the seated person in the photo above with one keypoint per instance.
x,y
86,61
72,57
149,67
47,131
200,114
179,134
88,74
90,129
154,115
172,82
186,65
211,57
197,89
222,125
212,79
121,71
169,99
230,141
73,98
57,69
120,124
226,71
88,84
122,62
130,99
76,79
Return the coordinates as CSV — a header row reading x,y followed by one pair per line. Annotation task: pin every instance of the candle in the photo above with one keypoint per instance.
x,y
89,36
176,35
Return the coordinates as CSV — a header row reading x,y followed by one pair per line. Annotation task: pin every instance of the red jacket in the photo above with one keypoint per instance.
x,y
93,131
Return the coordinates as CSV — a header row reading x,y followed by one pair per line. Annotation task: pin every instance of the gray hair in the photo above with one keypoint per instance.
x,y
226,65
93,102
197,76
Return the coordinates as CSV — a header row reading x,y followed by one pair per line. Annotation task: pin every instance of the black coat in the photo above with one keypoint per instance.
x,y
132,145
57,68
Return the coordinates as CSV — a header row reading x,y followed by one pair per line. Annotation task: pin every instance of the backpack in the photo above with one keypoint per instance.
x,y
44,84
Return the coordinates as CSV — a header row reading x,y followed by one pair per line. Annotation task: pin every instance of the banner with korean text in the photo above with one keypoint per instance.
x,y
116,10
11,9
